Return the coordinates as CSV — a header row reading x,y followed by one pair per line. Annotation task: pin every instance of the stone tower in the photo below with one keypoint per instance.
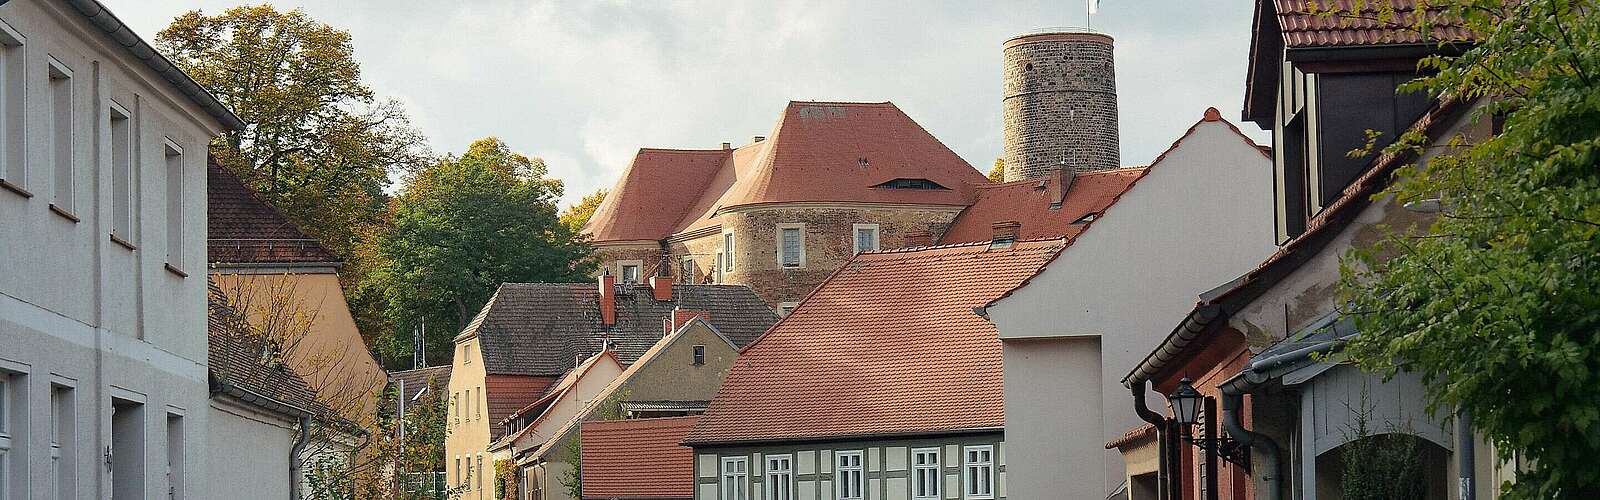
x,y
1060,99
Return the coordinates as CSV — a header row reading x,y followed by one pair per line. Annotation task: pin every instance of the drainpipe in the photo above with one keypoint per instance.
x,y
294,457
1162,434
1233,392
1466,447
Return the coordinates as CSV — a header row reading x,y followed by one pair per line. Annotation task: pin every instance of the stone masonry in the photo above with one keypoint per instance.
x,y
1060,103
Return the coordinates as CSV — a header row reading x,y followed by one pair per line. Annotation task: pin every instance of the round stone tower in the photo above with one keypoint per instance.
x,y
1060,99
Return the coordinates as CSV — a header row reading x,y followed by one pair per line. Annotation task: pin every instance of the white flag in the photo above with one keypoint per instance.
x,y
1094,6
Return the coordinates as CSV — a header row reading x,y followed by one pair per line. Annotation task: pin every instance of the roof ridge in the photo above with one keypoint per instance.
x,y
1019,182
684,150
793,102
948,246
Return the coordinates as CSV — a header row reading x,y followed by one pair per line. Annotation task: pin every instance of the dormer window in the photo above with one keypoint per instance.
x,y
907,183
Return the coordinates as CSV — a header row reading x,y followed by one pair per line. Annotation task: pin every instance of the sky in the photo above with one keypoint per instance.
x,y
585,84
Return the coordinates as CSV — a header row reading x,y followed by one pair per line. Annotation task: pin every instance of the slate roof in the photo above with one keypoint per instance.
x,y
242,228
890,344
418,378
235,362
817,152
637,459
541,328
1030,201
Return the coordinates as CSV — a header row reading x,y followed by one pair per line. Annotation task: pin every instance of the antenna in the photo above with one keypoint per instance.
x,y
419,346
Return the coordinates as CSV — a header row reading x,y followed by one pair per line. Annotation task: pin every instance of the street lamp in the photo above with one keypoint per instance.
x,y
1185,403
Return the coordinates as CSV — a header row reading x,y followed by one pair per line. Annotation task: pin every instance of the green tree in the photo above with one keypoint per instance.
x,y
998,173
461,228
1496,303
576,216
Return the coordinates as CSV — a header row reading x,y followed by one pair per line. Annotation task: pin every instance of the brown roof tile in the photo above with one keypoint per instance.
x,y
236,362
1030,203
242,228
1301,27
637,459
889,344
419,378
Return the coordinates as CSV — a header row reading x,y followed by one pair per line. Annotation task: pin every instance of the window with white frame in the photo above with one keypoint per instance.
x,y
59,78
866,237
735,473
727,251
847,475
62,421
792,245
925,474
13,166
629,270
175,481
780,477
12,414
978,472
122,205
686,269
174,157
458,470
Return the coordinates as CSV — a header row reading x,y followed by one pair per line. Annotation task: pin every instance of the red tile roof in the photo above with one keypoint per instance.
x,y
242,228
1301,27
1029,202
817,152
637,459
1132,435
508,393
852,360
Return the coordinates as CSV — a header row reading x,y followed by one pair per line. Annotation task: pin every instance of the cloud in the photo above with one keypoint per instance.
x,y
584,84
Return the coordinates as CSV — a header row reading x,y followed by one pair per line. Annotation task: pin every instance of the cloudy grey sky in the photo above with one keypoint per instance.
x,y
584,84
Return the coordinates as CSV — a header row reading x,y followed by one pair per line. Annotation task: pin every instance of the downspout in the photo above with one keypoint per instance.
x,y
1466,448
1162,434
1232,398
294,457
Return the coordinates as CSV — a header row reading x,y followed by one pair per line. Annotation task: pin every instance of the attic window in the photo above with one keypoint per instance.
x,y
1087,218
905,183
863,162
699,355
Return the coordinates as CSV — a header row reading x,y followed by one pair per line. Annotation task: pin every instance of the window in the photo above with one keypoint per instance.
x,y
175,480
13,168
459,477
629,271
735,470
727,250
13,445
481,472
925,474
721,276
174,157
847,474
784,308
978,466
866,237
122,206
477,402
780,477
61,133
468,479
127,450
62,421
792,245
699,355
455,406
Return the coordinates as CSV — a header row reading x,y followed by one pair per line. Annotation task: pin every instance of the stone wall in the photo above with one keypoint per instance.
x,y
647,253
1060,103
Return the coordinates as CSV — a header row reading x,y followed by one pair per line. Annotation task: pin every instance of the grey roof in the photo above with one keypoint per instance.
x,y
545,328
415,380
240,365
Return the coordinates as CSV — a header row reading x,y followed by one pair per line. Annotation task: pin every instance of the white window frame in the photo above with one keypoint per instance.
x,y
13,107
778,233
13,432
173,157
779,474
935,472
124,183
845,476
855,238
63,433
972,468
63,128
728,244
622,276
734,484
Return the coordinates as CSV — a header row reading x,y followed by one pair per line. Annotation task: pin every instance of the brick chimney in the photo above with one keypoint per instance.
x,y
662,286
727,146
1060,182
680,317
608,299
919,238
1005,233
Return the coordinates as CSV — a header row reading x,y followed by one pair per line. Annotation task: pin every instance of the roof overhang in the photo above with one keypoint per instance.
x,y
845,437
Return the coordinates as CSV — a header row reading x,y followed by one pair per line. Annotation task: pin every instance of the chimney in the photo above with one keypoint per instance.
x,y
727,146
1059,183
1005,233
919,238
662,286
681,317
759,138
608,299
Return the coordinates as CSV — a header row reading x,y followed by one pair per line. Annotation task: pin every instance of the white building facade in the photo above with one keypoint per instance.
x,y
103,388
1201,216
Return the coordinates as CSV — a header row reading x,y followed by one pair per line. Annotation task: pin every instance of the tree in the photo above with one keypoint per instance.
x,y
998,173
398,458
1496,303
461,228
576,216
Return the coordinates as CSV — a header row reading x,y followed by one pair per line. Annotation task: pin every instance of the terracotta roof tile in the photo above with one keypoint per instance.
x,y
242,228
1303,28
855,360
1132,435
656,191
1029,202
542,328
637,459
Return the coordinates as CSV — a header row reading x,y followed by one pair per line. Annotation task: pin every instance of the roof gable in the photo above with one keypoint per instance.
x,y
854,361
638,458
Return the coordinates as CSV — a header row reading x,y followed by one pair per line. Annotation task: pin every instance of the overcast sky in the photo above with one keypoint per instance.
x,y
584,84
